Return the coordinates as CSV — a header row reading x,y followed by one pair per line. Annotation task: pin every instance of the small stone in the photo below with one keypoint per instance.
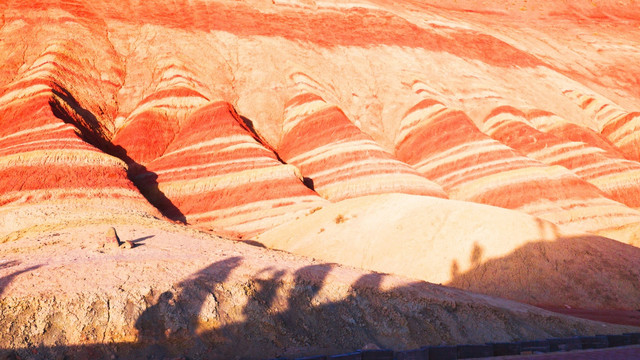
x,y
112,239
127,245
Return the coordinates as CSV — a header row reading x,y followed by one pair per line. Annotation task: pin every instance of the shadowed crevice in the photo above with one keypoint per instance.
x,y
147,183
65,107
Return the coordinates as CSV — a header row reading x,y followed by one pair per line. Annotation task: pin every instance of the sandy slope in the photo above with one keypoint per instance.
x,y
471,246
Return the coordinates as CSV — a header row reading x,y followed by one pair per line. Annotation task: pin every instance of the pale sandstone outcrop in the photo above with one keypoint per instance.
x,y
471,246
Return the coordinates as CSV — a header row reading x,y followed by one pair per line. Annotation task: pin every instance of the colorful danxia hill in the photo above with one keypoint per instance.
x,y
261,178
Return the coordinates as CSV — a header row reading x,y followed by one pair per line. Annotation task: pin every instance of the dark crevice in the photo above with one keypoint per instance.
x,y
308,182
65,107
147,182
247,124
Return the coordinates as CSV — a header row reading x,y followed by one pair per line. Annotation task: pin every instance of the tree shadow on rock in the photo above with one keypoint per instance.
x,y
582,271
275,313
170,325
291,320
283,318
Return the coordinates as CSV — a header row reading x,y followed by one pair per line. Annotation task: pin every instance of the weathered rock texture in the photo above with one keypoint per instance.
x,y
181,293
618,178
487,146
340,161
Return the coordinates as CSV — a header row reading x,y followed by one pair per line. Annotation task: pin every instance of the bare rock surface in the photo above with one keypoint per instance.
x,y
181,292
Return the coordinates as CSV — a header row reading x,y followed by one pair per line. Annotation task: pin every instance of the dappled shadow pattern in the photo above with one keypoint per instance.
x,y
163,324
284,318
297,315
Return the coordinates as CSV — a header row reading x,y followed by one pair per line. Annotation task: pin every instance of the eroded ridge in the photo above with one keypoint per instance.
x,y
147,131
218,176
446,146
46,161
340,160
620,127
618,179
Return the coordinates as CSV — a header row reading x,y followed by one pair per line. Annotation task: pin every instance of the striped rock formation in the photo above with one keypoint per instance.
x,y
561,128
56,108
49,174
198,162
218,176
620,127
340,160
114,112
147,131
444,145
619,179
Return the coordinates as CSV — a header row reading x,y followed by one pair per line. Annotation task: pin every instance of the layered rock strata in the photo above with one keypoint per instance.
x,y
193,103
46,164
216,175
619,126
618,179
446,146
339,159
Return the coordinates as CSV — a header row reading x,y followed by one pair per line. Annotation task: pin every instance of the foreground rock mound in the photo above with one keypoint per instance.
x,y
182,293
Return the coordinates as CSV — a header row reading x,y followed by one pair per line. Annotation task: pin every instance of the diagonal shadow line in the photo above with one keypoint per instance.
x,y
6,280
141,239
8,264
88,125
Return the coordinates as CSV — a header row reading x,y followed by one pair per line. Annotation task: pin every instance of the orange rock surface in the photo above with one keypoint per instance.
x,y
340,161
487,146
